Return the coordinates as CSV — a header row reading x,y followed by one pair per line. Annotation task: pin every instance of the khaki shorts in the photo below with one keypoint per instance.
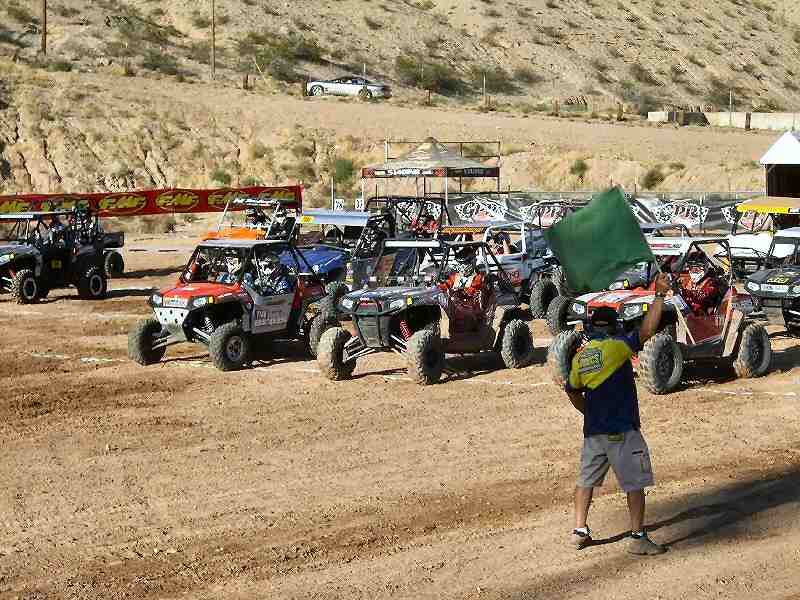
x,y
626,453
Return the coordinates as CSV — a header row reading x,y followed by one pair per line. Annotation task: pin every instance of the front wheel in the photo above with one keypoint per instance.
x,y
114,264
542,294
315,329
755,352
92,285
141,340
25,287
660,364
317,90
365,95
425,357
229,347
516,346
330,355
560,355
557,314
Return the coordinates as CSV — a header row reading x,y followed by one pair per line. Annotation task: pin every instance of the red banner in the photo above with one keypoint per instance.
x,y
152,202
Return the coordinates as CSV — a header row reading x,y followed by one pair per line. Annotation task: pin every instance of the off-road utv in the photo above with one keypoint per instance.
x,y
229,299
424,316
523,253
776,287
351,240
755,222
717,327
255,219
39,252
640,276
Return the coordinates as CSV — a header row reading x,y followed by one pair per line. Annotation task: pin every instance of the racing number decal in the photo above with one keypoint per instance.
x,y
267,317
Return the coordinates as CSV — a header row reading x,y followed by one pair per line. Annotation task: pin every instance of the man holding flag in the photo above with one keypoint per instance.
x,y
593,246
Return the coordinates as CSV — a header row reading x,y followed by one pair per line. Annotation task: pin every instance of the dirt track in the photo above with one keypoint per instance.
x,y
179,481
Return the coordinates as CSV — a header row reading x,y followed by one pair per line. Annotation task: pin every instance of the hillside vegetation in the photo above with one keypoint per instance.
x,y
80,118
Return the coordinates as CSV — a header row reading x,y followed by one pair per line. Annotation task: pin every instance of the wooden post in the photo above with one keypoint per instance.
x,y
44,26
213,39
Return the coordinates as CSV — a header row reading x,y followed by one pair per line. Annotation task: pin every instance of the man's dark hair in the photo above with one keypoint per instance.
x,y
604,316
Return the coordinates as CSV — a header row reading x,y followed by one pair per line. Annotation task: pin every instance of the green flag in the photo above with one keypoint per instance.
x,y
599,242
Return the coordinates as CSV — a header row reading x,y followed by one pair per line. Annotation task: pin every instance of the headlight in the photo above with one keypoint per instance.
x,y
347,303
617,285
578,308
752,286
6,258
315,268
202,301
633,310
156,299
397,304
796,289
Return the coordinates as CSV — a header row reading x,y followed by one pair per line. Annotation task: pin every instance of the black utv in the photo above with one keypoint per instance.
x,y
434,298
775,287
41,251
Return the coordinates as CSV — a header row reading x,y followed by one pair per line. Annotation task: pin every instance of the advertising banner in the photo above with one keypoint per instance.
x,y
152,202
699,211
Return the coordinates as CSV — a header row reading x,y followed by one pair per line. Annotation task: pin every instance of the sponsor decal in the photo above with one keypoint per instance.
x,y
125,204
176,301
775,289
177,201
779,279
267,317
590,361
687,213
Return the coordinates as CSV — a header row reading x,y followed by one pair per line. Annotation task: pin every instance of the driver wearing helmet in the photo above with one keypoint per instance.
x,y
255,217
233,264
501,243
700,285
274,278
466,277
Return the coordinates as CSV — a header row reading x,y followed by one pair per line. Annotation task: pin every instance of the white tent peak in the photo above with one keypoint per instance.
x,y
786,151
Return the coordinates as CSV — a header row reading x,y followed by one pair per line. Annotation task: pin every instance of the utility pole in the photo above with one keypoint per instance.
x,y
44,26
213,39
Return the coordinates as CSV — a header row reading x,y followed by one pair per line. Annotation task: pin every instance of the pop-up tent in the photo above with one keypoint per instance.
x,y
431,159
782,162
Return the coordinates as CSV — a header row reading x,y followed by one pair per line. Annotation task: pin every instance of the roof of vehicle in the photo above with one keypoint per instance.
x,y
678,245
770,205
412,244
257,202
480,226
791,232
661,226
239,243
320,216
29,216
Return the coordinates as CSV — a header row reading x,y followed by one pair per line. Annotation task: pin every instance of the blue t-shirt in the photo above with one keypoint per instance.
x,y
603,371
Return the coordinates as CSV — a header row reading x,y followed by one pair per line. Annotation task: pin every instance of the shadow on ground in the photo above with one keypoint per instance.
x,y
717,516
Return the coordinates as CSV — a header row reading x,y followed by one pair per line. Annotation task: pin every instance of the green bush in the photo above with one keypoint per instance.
x,y
63,66
415,71
497,80
344,169
653,178
162,63
527,76
220,175
579,169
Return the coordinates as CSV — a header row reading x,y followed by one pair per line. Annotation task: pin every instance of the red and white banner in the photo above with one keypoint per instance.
x,y
152,202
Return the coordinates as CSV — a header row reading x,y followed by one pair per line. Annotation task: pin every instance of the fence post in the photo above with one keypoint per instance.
x,y
44,27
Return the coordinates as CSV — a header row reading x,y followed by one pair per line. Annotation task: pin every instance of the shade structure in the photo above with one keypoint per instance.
x,y
786,151
430,159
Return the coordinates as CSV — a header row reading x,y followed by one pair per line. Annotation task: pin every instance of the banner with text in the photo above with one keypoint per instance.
x,y
152,202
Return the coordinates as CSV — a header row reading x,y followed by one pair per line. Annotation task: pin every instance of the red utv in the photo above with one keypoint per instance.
x,y
233,298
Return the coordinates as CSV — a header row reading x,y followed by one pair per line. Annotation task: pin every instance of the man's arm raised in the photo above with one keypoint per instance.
x,y
653,317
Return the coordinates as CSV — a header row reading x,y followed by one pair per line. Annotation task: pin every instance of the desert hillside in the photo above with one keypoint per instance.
x,y
125,97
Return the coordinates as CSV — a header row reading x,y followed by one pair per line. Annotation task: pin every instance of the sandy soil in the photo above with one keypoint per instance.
x,y
120,481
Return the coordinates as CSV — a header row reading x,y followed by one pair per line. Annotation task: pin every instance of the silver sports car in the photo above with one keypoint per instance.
x,y
348,86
